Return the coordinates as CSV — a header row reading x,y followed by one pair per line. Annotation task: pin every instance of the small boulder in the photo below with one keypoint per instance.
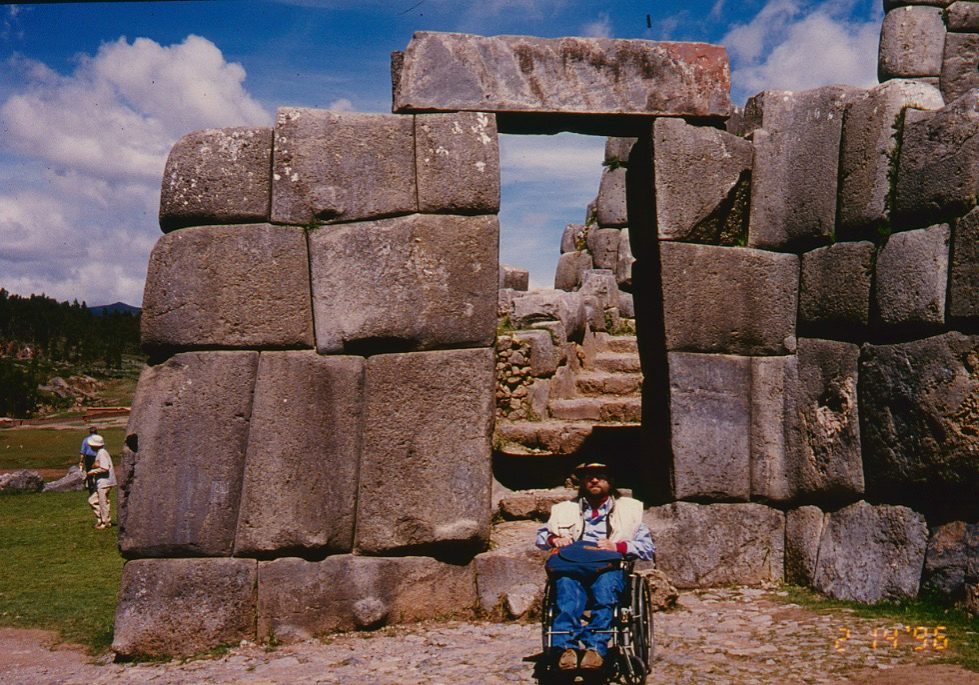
x,y
21,481
72,481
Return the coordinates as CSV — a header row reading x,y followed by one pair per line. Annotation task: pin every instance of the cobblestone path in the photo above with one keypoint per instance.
x,y
730,636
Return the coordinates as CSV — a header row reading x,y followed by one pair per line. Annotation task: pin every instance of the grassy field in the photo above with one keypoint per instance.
x,y
49,448
58,572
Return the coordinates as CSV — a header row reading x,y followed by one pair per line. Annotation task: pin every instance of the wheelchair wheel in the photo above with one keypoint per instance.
x,y
547,611
638,658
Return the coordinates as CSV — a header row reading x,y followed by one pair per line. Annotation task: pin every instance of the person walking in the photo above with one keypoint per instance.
x,y
86,455
101,478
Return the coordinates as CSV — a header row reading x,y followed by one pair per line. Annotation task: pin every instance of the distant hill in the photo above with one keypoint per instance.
x,y
114,308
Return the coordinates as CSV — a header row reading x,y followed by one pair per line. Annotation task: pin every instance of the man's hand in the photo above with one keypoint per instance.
x,y
607,545
561,541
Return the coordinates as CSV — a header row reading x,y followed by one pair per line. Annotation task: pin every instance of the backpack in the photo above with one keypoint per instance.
x,y
582,561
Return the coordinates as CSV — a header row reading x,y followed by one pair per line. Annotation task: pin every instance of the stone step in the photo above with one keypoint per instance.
x,y
604,383
622,343
541,438
601,409
617,362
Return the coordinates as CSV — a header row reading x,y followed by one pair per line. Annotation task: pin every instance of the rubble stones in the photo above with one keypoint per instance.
x,y
457,160
803,528
728,300
701,182
454,71
834,291
218,176
963,16
871,553
182,607
542,306
710,426
737,544
959,70
610,204
937,172
299,599
228,286
321,159
911,43
432,283
963,286
544,356
303,455
924,453
571,267
179,493
912,276
440,435
794,175
869,148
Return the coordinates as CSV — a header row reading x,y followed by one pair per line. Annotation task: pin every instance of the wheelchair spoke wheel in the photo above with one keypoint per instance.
x,y
546,617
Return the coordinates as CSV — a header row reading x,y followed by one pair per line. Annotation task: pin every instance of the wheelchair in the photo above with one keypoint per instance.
x,y
631,646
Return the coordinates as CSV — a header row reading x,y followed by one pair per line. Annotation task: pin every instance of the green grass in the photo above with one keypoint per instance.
x,y
47,448
961,629
58,572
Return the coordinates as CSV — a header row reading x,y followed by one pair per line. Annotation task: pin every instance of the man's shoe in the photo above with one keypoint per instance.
x,y
568,660
591,661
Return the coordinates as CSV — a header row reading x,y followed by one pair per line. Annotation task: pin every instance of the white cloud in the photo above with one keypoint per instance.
x,y
341,105
84,155
600,28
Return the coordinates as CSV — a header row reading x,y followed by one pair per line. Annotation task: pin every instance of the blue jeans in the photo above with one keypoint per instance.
x,y
572,600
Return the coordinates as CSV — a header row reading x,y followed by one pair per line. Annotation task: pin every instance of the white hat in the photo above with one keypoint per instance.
x,y
96,441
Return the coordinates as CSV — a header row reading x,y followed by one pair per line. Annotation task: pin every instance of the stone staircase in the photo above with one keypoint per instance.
x,y
606,391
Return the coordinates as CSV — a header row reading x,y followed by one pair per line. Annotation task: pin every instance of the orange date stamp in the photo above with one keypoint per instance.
x,y
915,638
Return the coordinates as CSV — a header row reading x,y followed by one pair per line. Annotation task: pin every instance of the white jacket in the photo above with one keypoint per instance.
x,y
567,519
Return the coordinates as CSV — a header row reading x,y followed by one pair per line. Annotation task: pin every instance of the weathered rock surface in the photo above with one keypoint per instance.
x,y
963,16
701,183
533,504
544,355
72,481
600,284
871,553
869,148
434,448
541,306
952,547
228,286
911,43
803,529
728,300
623,268
417,282
710,421
918,409
603,243
794,175
618,150
959,72
573,238
912,276
610,206
179,493
218,176
663,595
457,160
834,290
514,278
510,578
963,285
774,427
571,267
181,607
303,455
23,480
322,160
299,599
736,543
454,71
937,172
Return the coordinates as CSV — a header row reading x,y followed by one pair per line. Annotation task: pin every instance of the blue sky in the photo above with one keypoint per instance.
x,y
92,96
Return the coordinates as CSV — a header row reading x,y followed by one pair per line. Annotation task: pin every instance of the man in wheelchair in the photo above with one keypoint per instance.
x,y
588,538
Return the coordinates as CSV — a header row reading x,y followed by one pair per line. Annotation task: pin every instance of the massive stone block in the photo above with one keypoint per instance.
x,y
803,528
218,176
774,384
918,413
911,43
182,607
618,150
573,238
701,182
298,493
510,577
960,70
454,71
416,282
937,171
794,176
736,544
912,275
179,493
963,285
728,300
228,286
869,151
963,16
603,243
710,417
425,473
329,167
610,206
535,306
299,599
571,267
623,264
514,278
871,553
951,547
834,291
457,159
